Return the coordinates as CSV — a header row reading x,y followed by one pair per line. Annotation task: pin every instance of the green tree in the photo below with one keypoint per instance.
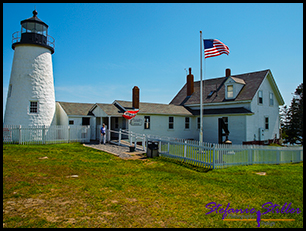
x,y
284,121
293,123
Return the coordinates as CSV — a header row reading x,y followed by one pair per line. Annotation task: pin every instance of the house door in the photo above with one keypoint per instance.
x,y
223,131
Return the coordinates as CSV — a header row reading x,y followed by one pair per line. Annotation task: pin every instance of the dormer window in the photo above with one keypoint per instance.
x,y
233,86
230,91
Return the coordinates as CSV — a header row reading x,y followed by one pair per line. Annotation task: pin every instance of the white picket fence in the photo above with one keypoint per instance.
x,y
213,155
224,155
18,134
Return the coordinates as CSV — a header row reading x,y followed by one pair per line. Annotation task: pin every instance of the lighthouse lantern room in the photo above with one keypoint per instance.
x,y
31,98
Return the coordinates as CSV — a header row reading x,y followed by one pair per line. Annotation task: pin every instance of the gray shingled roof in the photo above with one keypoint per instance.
x,y
252,83
76,108
156,108
110,109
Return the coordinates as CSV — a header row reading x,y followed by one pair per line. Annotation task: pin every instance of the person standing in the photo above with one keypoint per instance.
x,y
102,131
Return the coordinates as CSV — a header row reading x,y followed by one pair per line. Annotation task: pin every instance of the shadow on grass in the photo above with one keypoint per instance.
x,y
186,165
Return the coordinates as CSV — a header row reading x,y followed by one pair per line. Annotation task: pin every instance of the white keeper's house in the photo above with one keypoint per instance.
x,y
240,108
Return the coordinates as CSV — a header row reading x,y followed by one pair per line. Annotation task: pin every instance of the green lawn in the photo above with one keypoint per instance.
x,y
111,192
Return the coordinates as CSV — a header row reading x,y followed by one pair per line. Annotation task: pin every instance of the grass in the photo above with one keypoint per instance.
x,y
159,192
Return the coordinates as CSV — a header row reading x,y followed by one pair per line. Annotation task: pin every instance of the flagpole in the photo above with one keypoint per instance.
x,y
201,92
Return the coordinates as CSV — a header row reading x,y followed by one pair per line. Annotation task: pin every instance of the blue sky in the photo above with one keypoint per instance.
x,y
103,50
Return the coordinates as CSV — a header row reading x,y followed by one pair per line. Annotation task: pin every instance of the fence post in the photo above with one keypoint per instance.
x,y
108,135
146,143
185,148
68,134
168,145
130,137
120,136
143,142
250,159
89,134
20,138
43,134
214,153
159,146
277,156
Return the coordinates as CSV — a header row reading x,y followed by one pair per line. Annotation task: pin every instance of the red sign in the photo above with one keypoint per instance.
x,y
130,114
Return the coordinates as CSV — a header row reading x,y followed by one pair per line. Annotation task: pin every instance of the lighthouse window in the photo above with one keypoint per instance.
x,y
24,28
33,107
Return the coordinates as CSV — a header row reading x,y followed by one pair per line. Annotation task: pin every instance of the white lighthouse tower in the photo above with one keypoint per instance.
x,y
30,98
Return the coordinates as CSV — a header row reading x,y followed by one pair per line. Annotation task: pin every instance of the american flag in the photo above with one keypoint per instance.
x,y
214,47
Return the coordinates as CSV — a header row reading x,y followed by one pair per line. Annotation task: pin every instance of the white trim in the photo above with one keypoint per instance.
x,y
274,87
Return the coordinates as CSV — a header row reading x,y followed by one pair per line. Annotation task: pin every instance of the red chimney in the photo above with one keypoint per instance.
x,y
190,83
135,100
227,72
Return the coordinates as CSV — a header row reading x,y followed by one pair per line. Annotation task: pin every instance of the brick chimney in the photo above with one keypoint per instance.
x,y
190,83
135,99
227,72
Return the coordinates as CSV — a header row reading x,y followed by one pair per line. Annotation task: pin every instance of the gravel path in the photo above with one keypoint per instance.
x,y
120,151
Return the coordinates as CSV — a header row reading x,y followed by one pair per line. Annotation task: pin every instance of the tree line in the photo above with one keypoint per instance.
x,y
291,119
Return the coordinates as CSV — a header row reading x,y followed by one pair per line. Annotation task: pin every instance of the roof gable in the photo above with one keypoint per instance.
x,y
76,108
156,108
107,110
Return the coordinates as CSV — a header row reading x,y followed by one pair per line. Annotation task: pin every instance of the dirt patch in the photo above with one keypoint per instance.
x,y
132,199
53,210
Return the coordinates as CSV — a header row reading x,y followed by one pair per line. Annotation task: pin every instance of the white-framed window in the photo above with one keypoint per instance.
x,y
71,122
171,122
147,122
187,122
266,122
271,99
33,107
230,91
260,97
